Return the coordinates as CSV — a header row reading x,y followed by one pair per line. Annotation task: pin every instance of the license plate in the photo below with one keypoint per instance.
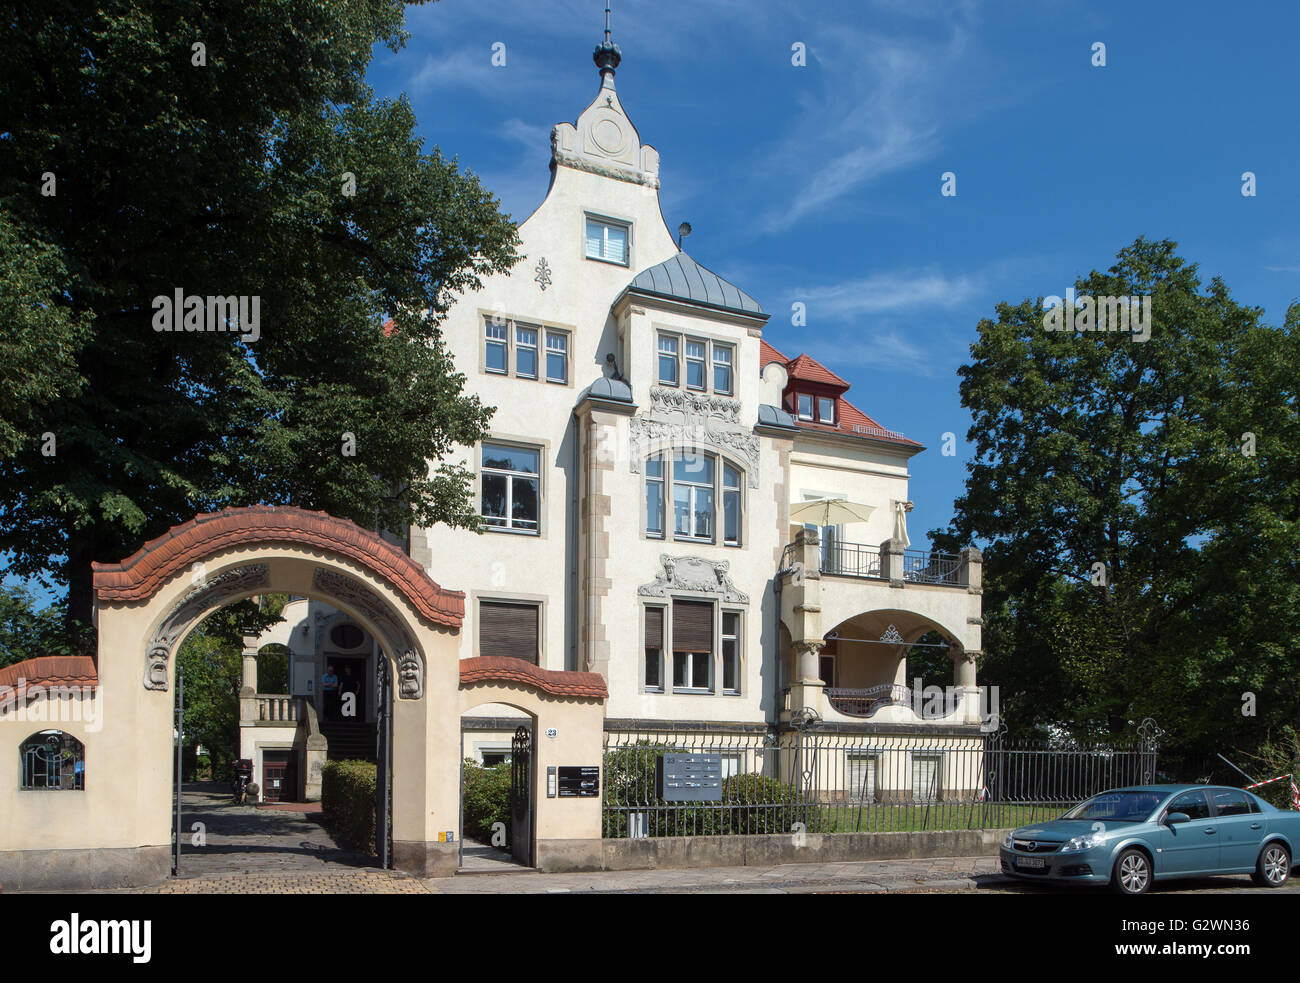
x,y
1036,863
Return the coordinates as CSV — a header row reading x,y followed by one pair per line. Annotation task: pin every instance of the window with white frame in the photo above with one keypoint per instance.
x,y
860,775
654,497
731,651
497,346
703,491
805,404
696,356
723,356
607,240
669,367
926,777
692,631
525,351
511,488
557,356
693,495
516,348
696,372
825,409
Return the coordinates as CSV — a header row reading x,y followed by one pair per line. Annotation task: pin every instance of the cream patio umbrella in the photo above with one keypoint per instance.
x,y
830,512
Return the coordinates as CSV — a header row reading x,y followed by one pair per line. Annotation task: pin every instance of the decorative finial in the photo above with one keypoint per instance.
x,y
607,55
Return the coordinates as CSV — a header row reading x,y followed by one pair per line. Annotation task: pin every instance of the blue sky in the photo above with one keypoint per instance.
x,y
821,183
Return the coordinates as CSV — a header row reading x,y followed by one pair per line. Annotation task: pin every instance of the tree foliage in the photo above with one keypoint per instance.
x,y
224,178
1139,508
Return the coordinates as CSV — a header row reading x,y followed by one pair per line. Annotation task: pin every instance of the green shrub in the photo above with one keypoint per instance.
x,y
751,803
486,798
347,795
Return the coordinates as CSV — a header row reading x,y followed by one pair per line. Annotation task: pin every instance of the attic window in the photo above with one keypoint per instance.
x,y
805,406
825,409
607,240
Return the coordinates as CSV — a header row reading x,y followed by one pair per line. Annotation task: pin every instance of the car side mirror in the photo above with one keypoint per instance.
x,y
1174,818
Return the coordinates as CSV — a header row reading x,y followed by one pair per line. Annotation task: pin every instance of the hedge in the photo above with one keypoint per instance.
x,y
486,798
347,795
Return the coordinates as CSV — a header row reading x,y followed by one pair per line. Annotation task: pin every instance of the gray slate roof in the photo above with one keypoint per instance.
x,y
684,279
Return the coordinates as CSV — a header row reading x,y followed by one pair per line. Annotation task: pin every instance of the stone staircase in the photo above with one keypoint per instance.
x,y
349,739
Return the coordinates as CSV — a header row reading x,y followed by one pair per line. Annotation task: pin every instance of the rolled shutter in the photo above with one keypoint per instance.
x,y
692,626
654,628
508,629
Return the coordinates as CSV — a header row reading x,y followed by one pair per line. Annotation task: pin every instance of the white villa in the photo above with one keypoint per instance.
x,y
644,493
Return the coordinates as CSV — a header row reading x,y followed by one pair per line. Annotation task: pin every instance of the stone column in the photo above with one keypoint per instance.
x,y
963,675
248,688
891,562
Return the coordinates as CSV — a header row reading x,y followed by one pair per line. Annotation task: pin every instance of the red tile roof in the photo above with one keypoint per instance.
x,y
47,670
853,422
502,669
141,574
808,369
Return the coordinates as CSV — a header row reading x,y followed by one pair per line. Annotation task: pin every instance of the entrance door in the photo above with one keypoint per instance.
x,y
521,796
277,776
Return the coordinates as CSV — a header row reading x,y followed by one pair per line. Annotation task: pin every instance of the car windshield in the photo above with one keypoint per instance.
x,y
1129,807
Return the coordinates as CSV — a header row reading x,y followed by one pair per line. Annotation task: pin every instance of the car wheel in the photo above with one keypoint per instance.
x,y
1132,873
1273,866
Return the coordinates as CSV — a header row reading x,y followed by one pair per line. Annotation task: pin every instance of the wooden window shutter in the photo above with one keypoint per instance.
x,y
692,626
508,629
654,628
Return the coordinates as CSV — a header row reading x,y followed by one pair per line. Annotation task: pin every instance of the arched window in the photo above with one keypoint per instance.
x,y
52,759
694,495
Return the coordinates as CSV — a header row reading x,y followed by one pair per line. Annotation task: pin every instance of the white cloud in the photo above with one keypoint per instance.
x,y
880,292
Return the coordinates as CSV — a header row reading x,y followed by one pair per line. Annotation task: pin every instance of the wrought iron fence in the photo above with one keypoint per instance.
x,y
833,782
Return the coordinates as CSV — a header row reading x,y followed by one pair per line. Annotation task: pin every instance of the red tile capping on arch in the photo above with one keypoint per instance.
x,y
502,669
142,573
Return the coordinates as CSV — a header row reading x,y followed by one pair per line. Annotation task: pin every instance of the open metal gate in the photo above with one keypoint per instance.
x,y
521,796
383,760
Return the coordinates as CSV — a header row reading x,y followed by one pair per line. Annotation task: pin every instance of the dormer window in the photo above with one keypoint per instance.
x,y
607,240
814,408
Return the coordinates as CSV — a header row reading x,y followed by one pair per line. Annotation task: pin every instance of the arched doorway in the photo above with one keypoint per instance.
x,y
149,603
115,829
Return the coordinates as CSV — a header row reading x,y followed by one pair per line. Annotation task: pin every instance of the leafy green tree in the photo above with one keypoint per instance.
x,y
27,631
1139,508
211,149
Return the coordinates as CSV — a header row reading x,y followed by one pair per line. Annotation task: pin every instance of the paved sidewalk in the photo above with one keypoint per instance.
x,y
865,877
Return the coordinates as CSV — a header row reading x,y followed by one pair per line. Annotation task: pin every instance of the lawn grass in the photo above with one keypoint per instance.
x,y
877,818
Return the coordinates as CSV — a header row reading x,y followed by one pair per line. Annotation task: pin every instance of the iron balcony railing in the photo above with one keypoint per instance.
x,y
857,560
865,702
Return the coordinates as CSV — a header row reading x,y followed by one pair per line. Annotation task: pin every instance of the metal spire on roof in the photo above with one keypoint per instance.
x,y
607,55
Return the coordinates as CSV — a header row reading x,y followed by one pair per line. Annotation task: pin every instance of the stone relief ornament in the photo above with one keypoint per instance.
x,y
692,573
227,586
396,639
410,676
543,271
679,418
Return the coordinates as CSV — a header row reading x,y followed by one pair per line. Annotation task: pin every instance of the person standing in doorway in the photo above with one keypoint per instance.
x,y
330,687
348,684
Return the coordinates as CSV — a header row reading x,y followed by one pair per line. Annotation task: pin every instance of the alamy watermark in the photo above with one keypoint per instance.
x,y
1087,313
182,312
52,704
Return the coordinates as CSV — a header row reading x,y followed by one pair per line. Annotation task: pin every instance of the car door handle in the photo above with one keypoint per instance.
x,y
1254,825
1209,832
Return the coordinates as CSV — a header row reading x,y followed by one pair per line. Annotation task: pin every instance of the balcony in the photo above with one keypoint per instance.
x,y
865,702
870,563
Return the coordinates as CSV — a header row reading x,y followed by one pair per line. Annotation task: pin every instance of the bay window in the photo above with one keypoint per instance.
x,y
703,491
